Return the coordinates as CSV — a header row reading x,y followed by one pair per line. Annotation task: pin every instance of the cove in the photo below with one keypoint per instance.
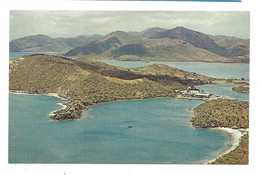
x,y
161,133
224,90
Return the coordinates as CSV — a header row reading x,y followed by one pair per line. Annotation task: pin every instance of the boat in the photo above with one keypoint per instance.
x,y
130,126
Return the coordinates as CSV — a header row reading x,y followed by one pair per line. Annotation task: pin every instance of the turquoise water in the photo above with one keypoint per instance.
x,y
21,54
161,133
216,70
224,90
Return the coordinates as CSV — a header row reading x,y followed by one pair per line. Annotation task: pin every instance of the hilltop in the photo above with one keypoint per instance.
x,y
221,113
153,44
195,38
87,82
44,43
157,44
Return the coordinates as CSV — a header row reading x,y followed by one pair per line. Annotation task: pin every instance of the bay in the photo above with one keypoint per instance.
x,y
224,90
216,70
161,133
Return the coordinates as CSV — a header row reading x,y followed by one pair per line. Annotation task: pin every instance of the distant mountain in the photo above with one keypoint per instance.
x,y
153,44
195,38
124,37
236,47
109,42
158,44
131,49
166,49
44,43
96,47
151,31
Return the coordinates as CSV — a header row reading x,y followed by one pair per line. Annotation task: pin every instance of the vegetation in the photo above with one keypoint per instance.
x,y
152,44
44,43
87,82
241,89
221,113
238,156
225,113
156,44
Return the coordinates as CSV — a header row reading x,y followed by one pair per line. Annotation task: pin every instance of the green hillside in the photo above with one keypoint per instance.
x,y
221,113
86,82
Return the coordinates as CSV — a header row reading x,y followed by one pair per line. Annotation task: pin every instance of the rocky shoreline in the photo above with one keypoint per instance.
x,y
89,82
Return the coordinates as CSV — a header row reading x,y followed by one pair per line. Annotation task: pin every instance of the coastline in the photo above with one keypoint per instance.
x,y
52,113
233,134
232,143
56,95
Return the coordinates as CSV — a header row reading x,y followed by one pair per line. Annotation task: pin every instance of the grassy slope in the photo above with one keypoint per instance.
x,y
221,113
241,89
238,155
46,74
89,82
225,113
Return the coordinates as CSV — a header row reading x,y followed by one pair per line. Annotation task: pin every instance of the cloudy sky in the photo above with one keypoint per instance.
x,y
74,23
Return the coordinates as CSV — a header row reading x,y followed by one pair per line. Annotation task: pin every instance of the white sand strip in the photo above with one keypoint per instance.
x,y
233,142
56,95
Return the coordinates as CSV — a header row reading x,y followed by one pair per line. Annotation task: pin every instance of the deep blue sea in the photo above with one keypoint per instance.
x,y
161,133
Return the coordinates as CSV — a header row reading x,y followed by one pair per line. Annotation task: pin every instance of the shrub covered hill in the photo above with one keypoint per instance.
x,y
157,44
225,113
87,82
222,113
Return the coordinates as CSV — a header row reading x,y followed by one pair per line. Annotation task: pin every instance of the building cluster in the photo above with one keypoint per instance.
x,y
189,92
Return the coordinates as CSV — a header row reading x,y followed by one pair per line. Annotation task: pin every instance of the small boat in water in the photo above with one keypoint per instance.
x,y
130,126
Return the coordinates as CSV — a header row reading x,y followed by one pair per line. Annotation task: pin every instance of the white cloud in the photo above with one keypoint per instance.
x,y
73,23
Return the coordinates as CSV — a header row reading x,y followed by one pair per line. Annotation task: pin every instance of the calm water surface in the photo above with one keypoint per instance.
x,y
224,90
161,133
216,70
21,54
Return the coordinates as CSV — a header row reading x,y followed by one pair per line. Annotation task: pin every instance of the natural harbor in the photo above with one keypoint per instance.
x,y
92,87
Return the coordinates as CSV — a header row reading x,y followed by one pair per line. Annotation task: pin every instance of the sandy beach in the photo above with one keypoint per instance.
x,y
56,95
233,142
63,106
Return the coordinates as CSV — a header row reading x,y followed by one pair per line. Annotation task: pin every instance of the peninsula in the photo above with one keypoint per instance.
x,y
228,114
86,82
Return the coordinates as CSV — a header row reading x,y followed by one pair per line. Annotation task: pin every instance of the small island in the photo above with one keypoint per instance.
x,y
241,89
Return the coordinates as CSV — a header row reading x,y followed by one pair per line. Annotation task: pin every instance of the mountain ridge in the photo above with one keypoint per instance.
x,y
45,43
158,44
153,44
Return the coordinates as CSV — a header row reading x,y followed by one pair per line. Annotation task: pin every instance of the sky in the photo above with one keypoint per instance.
x,y
74,23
